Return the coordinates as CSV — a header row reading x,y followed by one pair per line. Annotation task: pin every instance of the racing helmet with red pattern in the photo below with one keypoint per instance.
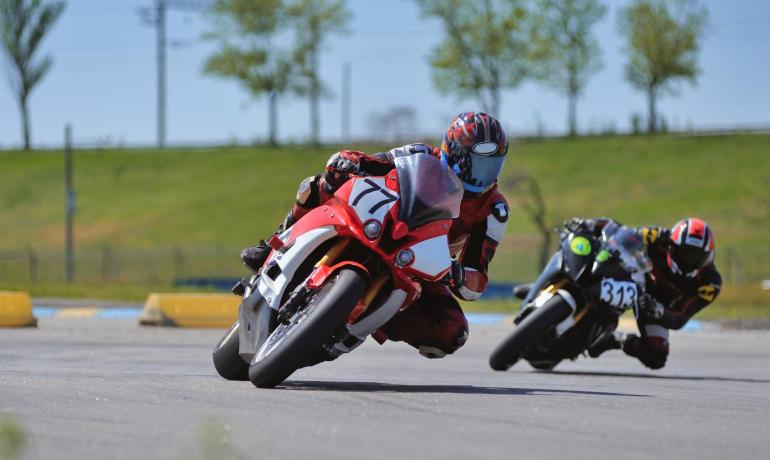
x,y
692,247
475,146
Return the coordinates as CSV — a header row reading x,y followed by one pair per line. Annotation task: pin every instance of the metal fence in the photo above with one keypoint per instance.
x,y
153,266
166,266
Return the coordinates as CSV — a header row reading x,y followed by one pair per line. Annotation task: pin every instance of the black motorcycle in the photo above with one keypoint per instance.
x,y
577,299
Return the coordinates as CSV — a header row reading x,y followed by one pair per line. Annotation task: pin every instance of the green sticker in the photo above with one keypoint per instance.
x,y
603,256
580,246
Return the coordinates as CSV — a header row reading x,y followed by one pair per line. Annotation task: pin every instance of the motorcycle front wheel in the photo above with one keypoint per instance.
x,y
527,332
295,342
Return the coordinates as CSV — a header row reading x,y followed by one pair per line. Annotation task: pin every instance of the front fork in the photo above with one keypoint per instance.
x,y
578,311
258,317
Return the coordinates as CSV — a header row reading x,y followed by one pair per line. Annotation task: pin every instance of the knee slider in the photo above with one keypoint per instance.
x,y
431,352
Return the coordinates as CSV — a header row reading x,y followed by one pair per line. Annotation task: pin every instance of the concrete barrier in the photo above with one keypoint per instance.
x,y
16,310
190,310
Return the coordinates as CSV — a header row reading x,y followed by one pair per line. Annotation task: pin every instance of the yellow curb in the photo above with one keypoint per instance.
x,y
80,312
16,310
190,310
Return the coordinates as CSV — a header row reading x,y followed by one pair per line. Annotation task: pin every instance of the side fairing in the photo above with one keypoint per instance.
x,y
281,267
553,267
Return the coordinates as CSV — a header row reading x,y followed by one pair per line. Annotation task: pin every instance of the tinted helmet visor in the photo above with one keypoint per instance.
x,y
483,166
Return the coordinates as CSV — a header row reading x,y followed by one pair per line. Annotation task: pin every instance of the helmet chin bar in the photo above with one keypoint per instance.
x,y
475,189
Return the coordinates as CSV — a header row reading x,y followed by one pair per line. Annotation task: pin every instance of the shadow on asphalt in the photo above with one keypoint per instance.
x,y
375,387
637,375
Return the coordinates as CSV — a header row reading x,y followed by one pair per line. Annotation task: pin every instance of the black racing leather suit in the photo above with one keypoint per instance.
x,y
681,297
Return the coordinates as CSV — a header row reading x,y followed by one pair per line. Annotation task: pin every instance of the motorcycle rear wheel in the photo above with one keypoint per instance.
x,y
227,360
290,346
527,332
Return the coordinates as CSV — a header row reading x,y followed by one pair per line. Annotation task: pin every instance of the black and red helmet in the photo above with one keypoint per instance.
x,y
474,146
692,247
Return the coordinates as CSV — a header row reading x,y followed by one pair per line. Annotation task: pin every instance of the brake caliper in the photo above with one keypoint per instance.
x,y
293,303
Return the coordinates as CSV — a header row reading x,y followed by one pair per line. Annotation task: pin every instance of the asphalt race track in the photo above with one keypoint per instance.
x,y
87,388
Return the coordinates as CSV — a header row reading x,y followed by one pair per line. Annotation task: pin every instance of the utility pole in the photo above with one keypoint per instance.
x,y
155,16
160,17
346,103
69,255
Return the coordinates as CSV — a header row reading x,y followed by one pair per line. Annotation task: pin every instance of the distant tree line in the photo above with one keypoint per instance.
x,y
495,45
273,47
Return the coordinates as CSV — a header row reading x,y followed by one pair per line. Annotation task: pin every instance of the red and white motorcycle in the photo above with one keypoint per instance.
x,y
342,271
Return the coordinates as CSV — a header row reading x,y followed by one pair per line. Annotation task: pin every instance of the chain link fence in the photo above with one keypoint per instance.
x,y
151,266
172,265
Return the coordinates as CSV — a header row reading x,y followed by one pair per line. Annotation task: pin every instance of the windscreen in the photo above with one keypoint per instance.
x,y
430,191
631,249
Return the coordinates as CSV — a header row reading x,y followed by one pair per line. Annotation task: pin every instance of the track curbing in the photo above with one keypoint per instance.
x,y
16,310
190,310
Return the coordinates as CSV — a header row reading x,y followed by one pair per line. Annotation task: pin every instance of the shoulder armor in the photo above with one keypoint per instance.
x,y
500,211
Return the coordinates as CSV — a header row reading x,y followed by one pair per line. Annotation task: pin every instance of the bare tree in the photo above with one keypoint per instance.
x,y
396,123
526,192
23,26
663,42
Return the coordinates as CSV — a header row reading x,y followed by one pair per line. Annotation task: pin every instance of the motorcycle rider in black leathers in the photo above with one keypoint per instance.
x,y
683,281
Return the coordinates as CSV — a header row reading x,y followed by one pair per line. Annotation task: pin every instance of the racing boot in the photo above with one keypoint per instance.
x,y
255,256
611,341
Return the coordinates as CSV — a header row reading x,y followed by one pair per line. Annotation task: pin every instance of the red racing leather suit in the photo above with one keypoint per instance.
x,y
435,324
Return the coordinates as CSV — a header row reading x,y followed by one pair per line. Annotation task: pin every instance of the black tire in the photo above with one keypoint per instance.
x,y
325,313
527,332
544,365
227,360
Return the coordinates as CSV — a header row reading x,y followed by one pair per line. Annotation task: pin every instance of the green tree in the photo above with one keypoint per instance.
x,y
663,42
574,53
488,46
23,26
312,21
246,31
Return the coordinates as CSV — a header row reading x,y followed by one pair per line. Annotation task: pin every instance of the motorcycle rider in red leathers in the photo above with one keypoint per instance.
x,y
683,281
475,147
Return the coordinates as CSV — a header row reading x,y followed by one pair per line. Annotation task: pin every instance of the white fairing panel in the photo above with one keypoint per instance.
x,y
431,257
289,262
371,198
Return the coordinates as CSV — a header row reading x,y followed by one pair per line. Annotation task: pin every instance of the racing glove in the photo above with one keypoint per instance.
x,y
338,170
576,224
455,279
648,308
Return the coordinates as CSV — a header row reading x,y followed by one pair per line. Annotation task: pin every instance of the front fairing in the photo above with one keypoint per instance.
x,y
579,252
363,200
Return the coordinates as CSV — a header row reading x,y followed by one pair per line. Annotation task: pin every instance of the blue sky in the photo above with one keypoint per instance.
x,y
103,79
